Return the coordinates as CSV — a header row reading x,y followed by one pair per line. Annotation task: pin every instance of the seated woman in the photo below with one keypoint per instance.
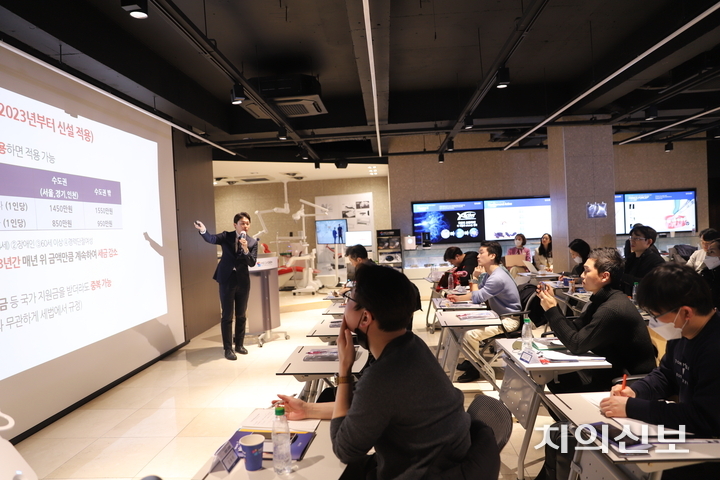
x,y
579,250
697,259
611,327
519,249
711,273
543,259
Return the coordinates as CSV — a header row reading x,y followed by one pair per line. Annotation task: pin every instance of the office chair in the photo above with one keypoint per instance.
x,y
495,414
482,460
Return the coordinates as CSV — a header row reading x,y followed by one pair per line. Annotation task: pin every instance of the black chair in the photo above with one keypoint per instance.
x,y
482,461
495,414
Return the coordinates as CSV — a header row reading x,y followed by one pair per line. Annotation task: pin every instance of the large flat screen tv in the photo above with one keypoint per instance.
x,y
619,214
449,222
673,211
505,218
360,237
330,232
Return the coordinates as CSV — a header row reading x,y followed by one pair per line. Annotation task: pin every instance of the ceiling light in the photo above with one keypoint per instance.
x,y
668,147
468,124
136,8
237,95
441,158
714,133
341,163
282,134
651,113
503,77
451,146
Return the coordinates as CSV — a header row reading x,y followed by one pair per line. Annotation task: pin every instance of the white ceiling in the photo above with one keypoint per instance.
x,y
278,172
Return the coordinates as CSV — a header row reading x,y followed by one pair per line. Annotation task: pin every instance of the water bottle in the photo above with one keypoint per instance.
x,y
634,293
527,335
282,461
451,281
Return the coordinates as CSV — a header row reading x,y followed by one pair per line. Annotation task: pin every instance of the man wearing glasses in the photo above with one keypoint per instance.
x,y
684,314
404,405
239,251
644,256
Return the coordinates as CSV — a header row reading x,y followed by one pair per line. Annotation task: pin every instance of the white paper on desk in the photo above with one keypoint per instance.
x,y
262,419
635,425
555,356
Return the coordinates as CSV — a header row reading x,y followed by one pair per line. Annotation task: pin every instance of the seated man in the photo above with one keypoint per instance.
x,y
499,290
358,256
412,439
611,327
644,256
681,303
465,262
711,272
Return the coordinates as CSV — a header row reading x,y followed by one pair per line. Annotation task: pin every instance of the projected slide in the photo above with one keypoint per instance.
x,y
506,218
619,215
449,222
663,211
80,233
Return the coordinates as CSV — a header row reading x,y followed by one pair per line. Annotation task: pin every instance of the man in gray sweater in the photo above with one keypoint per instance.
x,y
404,406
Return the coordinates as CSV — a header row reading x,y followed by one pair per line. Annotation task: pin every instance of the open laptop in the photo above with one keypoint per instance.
x,y
515,260
531,268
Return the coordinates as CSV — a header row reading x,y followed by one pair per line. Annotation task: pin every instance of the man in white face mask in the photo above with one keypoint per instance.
x,y
681,304
711,274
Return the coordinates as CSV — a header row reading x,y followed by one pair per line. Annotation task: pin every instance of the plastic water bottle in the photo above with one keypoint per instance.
x,y
527,335
282,461
634,293
451,281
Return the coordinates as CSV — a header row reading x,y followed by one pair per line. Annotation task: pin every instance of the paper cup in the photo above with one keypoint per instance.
x,y
252,447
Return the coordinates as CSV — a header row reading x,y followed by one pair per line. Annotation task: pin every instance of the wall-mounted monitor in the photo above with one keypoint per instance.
x,y
505,218
449,222
674,211
619,214
361,237
330,232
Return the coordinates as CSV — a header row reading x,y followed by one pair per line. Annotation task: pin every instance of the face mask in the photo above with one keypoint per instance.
x,y
667,330
577,259
712,262
362,338
518,243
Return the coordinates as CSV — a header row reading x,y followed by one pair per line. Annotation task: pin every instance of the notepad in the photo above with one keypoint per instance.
x,y
554,356
547,344
486,315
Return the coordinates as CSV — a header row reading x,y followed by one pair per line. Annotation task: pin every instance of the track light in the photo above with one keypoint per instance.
x,y
503,77
441,158
668,147
304,155
317,165
136,8
651,113
237,94
341,163
282,134
714,133
468,123
451,146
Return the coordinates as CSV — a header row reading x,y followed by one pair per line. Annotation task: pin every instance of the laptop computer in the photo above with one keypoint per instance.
x,y
531,268
515,260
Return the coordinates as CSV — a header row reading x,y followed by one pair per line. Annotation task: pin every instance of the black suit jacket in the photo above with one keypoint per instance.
x,y
231,259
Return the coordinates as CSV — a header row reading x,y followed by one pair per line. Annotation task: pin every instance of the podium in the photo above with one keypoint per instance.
x,y
263,311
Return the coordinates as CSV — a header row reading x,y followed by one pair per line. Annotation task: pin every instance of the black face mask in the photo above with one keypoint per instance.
x,y
362,338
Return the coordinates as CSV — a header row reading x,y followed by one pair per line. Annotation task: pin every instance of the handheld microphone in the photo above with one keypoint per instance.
x,y
243,234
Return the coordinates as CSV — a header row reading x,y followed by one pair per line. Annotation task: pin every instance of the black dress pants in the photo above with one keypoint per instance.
x,y
234,292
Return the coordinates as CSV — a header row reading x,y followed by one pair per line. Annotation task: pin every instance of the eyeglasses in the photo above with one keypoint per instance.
x,y
637,239
656,317
346,296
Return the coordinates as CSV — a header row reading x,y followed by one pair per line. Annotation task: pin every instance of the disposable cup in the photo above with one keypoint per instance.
x,y
252,447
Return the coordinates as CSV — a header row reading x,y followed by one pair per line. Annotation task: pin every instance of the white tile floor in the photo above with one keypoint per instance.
x,y
170,418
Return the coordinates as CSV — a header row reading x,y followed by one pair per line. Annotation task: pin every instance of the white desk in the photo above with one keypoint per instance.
x,y
450,343
337,310
595,464
314,372
327,330
446,305
319,462
523,385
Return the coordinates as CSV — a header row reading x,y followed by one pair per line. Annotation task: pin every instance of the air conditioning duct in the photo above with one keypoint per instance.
x,y
293,95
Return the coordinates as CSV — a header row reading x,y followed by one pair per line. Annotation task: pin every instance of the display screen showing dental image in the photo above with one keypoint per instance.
x,y
673,211
449,222
362,237
619,214
330,232
505,218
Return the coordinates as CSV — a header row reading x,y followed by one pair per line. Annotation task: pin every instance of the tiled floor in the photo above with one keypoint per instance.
x,y
170,418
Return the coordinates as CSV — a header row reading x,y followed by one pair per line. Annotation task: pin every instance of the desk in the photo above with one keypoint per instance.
x,y
595,464
450,343
319,462
325,330
523,386
337,310
314,372
446,305
434,294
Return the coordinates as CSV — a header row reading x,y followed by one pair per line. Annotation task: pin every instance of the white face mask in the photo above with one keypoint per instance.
x,y
518,243
667,330
712,262
577,259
